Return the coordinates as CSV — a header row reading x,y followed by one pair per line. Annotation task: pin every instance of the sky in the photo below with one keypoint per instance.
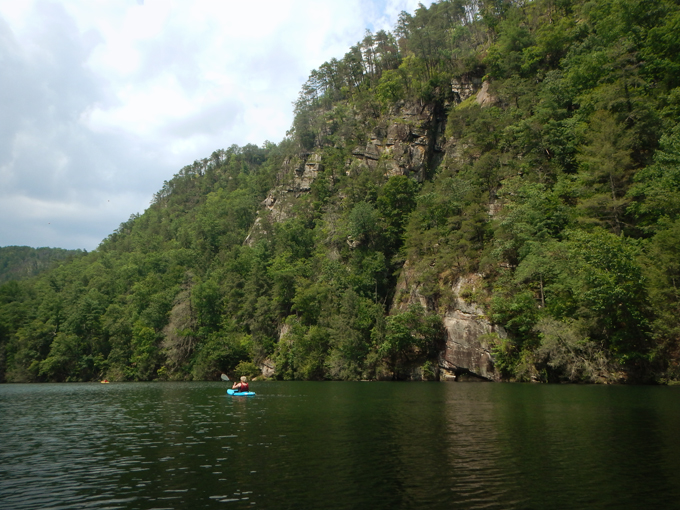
x,y
103,100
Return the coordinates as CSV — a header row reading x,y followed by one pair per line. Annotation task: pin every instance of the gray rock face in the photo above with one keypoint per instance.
x,y
297,175
397,132
268,368
467,346
308,173
469,333
484,98
464,88
269,201
406,141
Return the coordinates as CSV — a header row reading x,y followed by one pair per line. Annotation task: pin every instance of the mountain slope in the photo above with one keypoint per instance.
x,y
490,191
21,262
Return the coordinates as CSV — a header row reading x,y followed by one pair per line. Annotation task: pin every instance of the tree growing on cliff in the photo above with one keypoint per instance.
x,y
408,336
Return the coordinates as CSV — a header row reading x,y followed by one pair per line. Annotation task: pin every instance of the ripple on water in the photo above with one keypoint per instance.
x,y
307,445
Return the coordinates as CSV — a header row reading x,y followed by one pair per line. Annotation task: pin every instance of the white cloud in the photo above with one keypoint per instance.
x,y
103,101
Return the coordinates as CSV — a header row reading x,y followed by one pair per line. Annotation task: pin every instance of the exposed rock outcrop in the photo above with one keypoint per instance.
x,y
484,98
469,333
468,346
464,88
268,368
407,142
305,176
297,175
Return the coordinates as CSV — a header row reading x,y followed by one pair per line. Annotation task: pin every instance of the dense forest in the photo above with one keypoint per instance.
x,y
21,262
518,159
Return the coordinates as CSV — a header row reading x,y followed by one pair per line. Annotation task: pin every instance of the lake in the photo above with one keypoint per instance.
x,y
339,445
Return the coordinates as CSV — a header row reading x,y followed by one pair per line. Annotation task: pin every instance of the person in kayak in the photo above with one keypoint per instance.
x,y
241,386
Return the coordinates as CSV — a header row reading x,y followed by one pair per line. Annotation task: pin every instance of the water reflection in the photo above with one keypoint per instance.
x,y
476,474
586,446
338,445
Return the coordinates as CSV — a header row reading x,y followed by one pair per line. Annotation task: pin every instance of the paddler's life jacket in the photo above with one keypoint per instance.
x,y
244,387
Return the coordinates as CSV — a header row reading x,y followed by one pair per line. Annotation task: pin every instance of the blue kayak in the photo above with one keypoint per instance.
x,y
241,393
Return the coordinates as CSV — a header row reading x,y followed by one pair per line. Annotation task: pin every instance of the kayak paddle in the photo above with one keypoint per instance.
x,y
224,377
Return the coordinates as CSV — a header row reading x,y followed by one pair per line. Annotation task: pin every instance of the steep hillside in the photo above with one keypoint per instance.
x,y
492,191
21,262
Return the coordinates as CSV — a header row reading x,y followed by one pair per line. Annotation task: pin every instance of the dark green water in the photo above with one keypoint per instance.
x,y
339,446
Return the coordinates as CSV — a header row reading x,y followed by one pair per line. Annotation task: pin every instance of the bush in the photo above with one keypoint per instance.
x,y
250,370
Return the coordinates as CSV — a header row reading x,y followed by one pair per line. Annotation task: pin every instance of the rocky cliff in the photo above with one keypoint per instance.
x,y
408,140
470,335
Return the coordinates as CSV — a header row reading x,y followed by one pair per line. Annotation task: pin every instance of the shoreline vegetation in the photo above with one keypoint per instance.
x,y
492,190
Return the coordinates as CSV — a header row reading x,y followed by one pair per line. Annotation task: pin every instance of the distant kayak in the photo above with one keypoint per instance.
x,y
241,393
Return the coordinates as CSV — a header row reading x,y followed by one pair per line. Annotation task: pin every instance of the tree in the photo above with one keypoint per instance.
x,y
408,335
606,172
611,291
656,192
395,202
64,360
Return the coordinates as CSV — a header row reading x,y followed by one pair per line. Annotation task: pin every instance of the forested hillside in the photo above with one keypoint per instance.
x,y
502,176
21,262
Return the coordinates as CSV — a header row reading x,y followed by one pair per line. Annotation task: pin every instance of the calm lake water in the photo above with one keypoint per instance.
x,y
303,445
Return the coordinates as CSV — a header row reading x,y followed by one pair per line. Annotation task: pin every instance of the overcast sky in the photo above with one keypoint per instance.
x,y
102,101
